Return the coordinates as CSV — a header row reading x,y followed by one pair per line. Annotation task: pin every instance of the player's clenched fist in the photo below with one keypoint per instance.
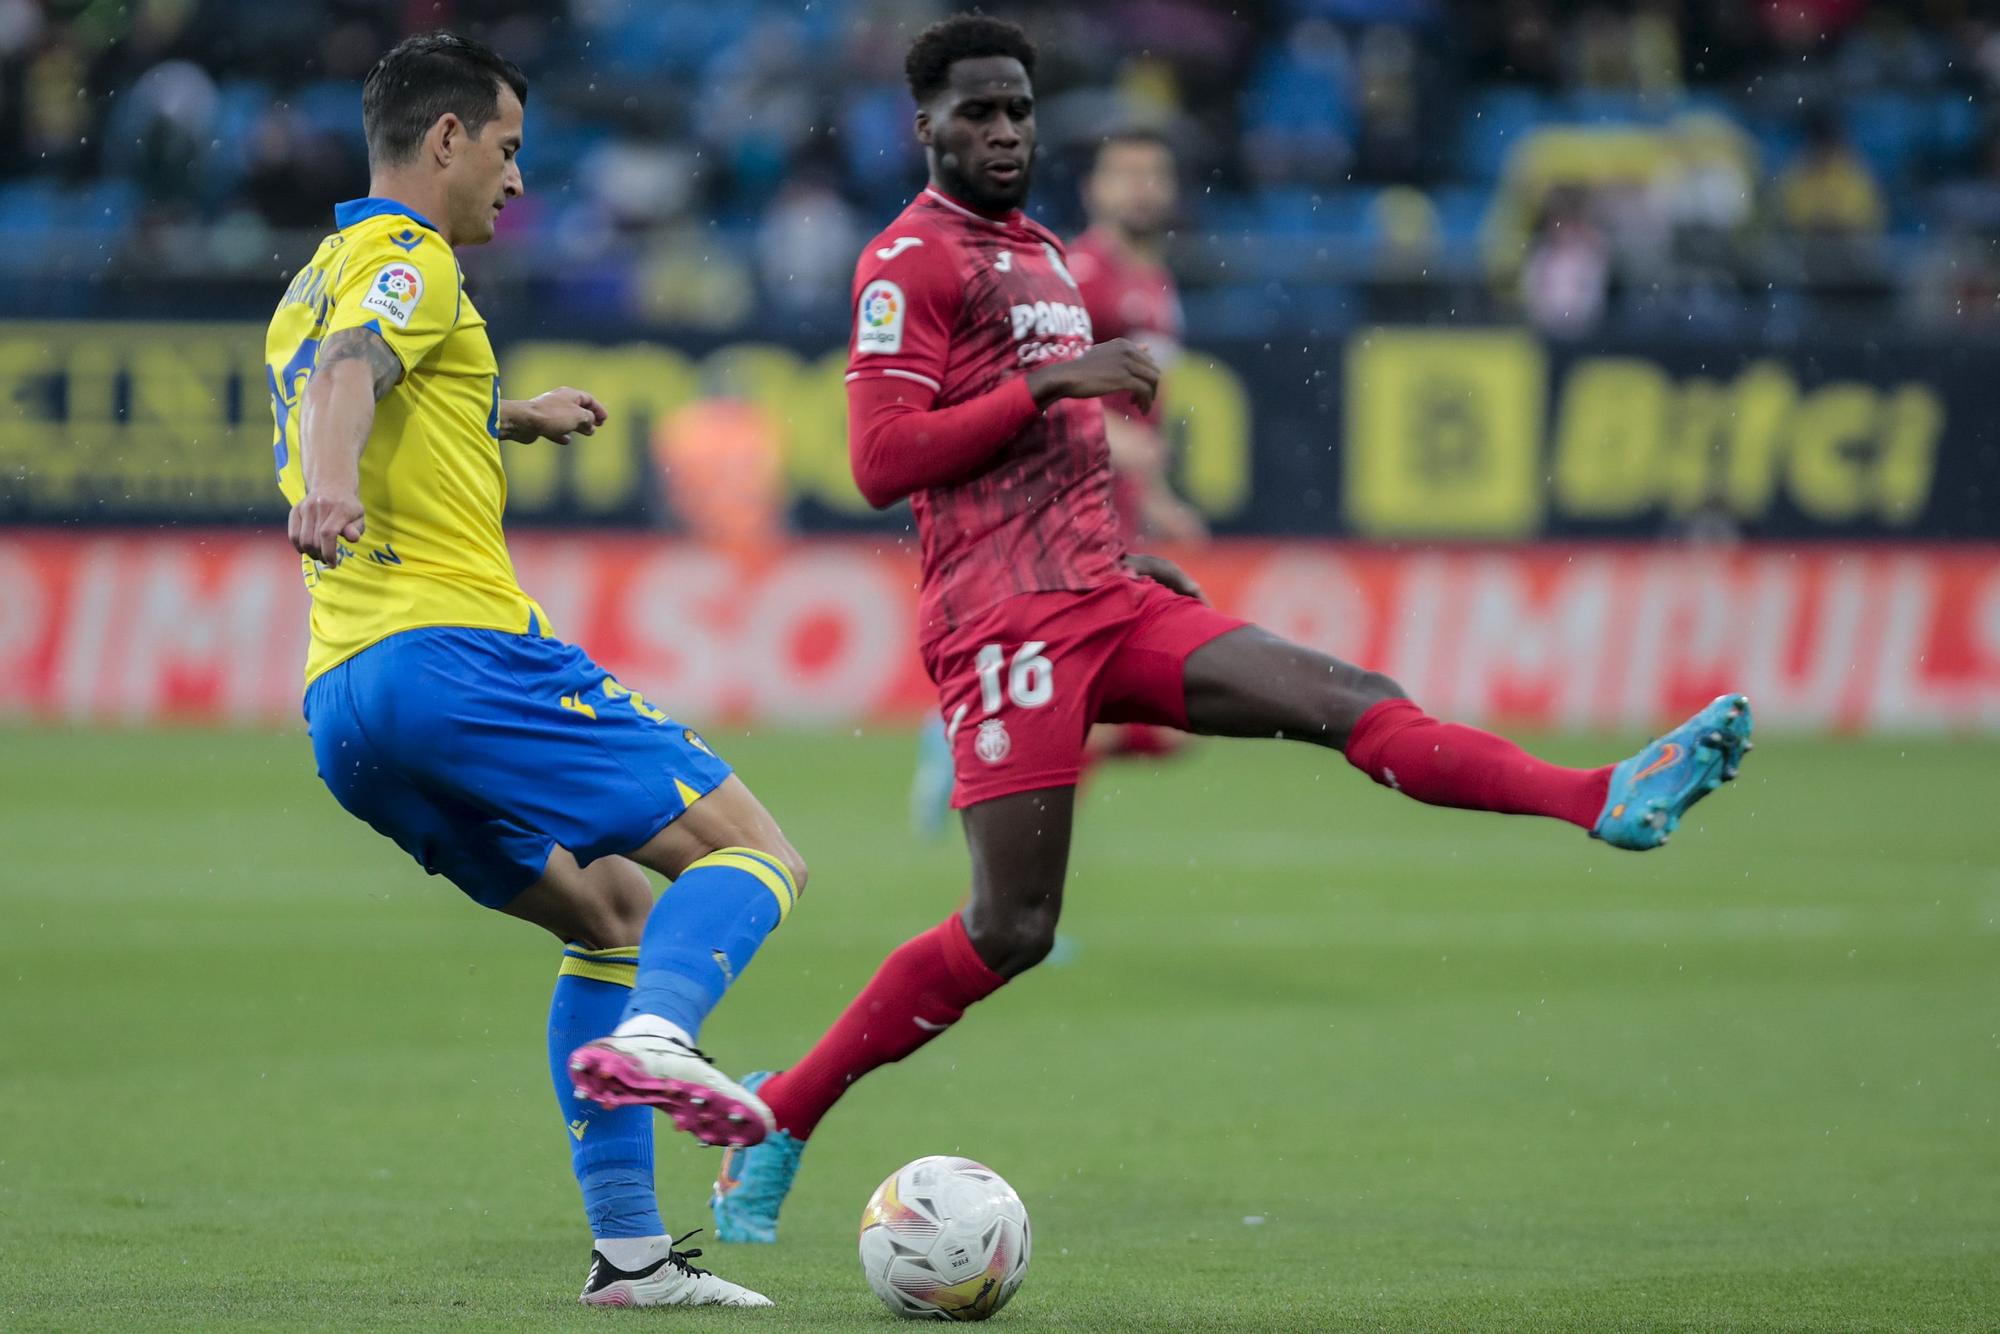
x,y
319,522
1120,366
557,415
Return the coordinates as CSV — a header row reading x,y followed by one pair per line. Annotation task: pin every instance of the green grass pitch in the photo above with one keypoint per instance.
x,y
1312,1057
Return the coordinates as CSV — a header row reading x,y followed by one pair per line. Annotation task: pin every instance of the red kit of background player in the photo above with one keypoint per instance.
x,y
1128,297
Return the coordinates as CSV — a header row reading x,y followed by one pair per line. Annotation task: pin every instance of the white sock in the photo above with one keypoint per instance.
x,y
633,1253
651,1026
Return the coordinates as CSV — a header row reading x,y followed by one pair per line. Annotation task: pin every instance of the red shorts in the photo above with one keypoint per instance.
x,y
1021,683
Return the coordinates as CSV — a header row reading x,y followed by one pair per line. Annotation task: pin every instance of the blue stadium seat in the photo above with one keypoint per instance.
x,y
1248,310
107,208
330,107
671,36
28,222
1294,210
1346,216
1603,106
1956,124
1889,130
553,146
1495,121
1225,216
1777,138
1461,211
1286,95
239,106
870,120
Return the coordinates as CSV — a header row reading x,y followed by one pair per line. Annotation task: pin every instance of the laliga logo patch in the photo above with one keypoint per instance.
x,y
878,323
879,310
992,744
395,293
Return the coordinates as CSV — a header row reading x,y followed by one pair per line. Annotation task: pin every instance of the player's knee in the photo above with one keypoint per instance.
x,y
795,865
1015,941
1374,687
627,907
1351,693
1034,935
612,911
782,852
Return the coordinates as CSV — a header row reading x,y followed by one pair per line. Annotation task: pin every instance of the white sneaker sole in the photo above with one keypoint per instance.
x,y
679,1291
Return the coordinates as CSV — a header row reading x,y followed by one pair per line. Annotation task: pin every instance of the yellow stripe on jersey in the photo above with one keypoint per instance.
x,y
433,553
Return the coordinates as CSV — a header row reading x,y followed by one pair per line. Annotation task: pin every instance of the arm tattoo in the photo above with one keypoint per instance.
x,y
364,345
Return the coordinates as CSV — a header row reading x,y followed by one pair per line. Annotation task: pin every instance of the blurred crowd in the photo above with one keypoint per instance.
x,y
1740,164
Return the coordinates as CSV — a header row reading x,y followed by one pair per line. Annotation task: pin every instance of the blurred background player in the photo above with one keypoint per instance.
x,y
972,380
1130,195
443,710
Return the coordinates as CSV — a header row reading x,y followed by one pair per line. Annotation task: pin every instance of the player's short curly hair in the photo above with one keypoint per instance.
x,y
962,37
423,77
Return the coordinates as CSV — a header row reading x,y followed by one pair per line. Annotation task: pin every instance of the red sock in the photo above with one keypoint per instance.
x,y
1444,764
920,990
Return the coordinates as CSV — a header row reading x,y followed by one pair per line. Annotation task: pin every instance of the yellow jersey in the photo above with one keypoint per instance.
x,y
432,486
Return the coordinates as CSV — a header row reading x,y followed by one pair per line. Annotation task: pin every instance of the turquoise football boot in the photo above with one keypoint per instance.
x,y
753,1182
1652,791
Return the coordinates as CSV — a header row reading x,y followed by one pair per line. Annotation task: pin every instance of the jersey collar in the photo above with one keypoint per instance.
x,y
351,211
1012,220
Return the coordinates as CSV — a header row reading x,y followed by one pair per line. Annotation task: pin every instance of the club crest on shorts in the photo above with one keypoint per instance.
x,y
992,743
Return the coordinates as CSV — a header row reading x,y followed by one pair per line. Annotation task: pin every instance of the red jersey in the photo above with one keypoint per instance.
x,y
959,303
1128,297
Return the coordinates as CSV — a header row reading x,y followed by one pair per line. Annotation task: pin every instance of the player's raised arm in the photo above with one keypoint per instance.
x,y
908,299
898,443
355,369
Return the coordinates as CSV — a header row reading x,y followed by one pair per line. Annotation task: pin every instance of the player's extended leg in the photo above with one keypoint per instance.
x,y
1252,683
735,878
1020,854
516,768
598,912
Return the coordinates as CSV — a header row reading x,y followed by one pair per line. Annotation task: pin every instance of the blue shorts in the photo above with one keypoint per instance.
x,y
480,751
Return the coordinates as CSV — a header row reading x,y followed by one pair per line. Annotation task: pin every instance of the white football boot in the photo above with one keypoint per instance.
x,y
669,1281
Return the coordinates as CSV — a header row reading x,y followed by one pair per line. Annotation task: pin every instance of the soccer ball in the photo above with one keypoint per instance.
x,y
944,1239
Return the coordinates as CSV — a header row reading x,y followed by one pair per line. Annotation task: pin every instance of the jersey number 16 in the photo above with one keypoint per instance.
x,y
1031,682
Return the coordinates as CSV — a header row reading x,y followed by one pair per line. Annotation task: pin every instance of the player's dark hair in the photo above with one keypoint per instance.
x,y
422,78
962,37
1129,134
